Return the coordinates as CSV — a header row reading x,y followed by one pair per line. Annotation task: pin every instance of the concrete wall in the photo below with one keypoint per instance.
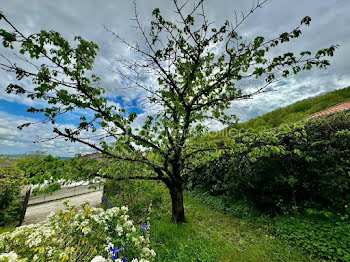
x,y
64,193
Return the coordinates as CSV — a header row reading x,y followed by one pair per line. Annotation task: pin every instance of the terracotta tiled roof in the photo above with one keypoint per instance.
x,y
93,156
334,109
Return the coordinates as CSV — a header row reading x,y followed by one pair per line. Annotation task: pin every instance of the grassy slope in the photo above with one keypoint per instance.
x,y
299,110
210,235
286,115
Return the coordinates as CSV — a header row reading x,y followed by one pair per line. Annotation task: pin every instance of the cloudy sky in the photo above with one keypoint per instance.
x,y
87,18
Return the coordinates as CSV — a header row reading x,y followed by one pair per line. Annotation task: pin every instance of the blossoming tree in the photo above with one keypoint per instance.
x,y
195,85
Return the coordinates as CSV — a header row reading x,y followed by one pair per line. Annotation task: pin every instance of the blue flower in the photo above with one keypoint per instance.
x,y
111,205
106,200
124,259
143,227
115,252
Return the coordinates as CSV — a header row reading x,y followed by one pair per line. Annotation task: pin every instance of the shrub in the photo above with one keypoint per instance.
x,y
11,179
137,195
79,235
301,165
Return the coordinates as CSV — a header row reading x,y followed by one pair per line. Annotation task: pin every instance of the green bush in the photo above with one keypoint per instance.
x,y
11,179
137,195
296,166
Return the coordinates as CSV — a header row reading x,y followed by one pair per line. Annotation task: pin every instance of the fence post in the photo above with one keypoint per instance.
x,y
25,204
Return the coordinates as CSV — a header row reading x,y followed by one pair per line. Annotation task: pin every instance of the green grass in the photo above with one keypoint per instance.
x,y
320,233
6,229
209,235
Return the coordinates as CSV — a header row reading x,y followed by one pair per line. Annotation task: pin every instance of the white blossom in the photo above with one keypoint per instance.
x,y
98,259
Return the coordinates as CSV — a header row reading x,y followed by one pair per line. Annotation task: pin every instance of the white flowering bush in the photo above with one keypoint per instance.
x,y
10,257
72,234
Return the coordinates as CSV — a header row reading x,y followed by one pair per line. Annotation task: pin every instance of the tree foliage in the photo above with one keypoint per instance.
x,y
11,179
195,85
40,168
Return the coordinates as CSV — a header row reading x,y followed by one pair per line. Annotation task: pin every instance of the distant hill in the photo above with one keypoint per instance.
x,y
298,110
14,156
288,114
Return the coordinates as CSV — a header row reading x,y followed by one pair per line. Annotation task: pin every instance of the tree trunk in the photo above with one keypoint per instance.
x,y
177,202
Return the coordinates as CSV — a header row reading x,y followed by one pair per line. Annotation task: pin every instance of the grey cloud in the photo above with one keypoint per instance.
x,y
330,25
17,141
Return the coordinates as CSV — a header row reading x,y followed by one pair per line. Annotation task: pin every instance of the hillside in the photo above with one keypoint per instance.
x,y
298,110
